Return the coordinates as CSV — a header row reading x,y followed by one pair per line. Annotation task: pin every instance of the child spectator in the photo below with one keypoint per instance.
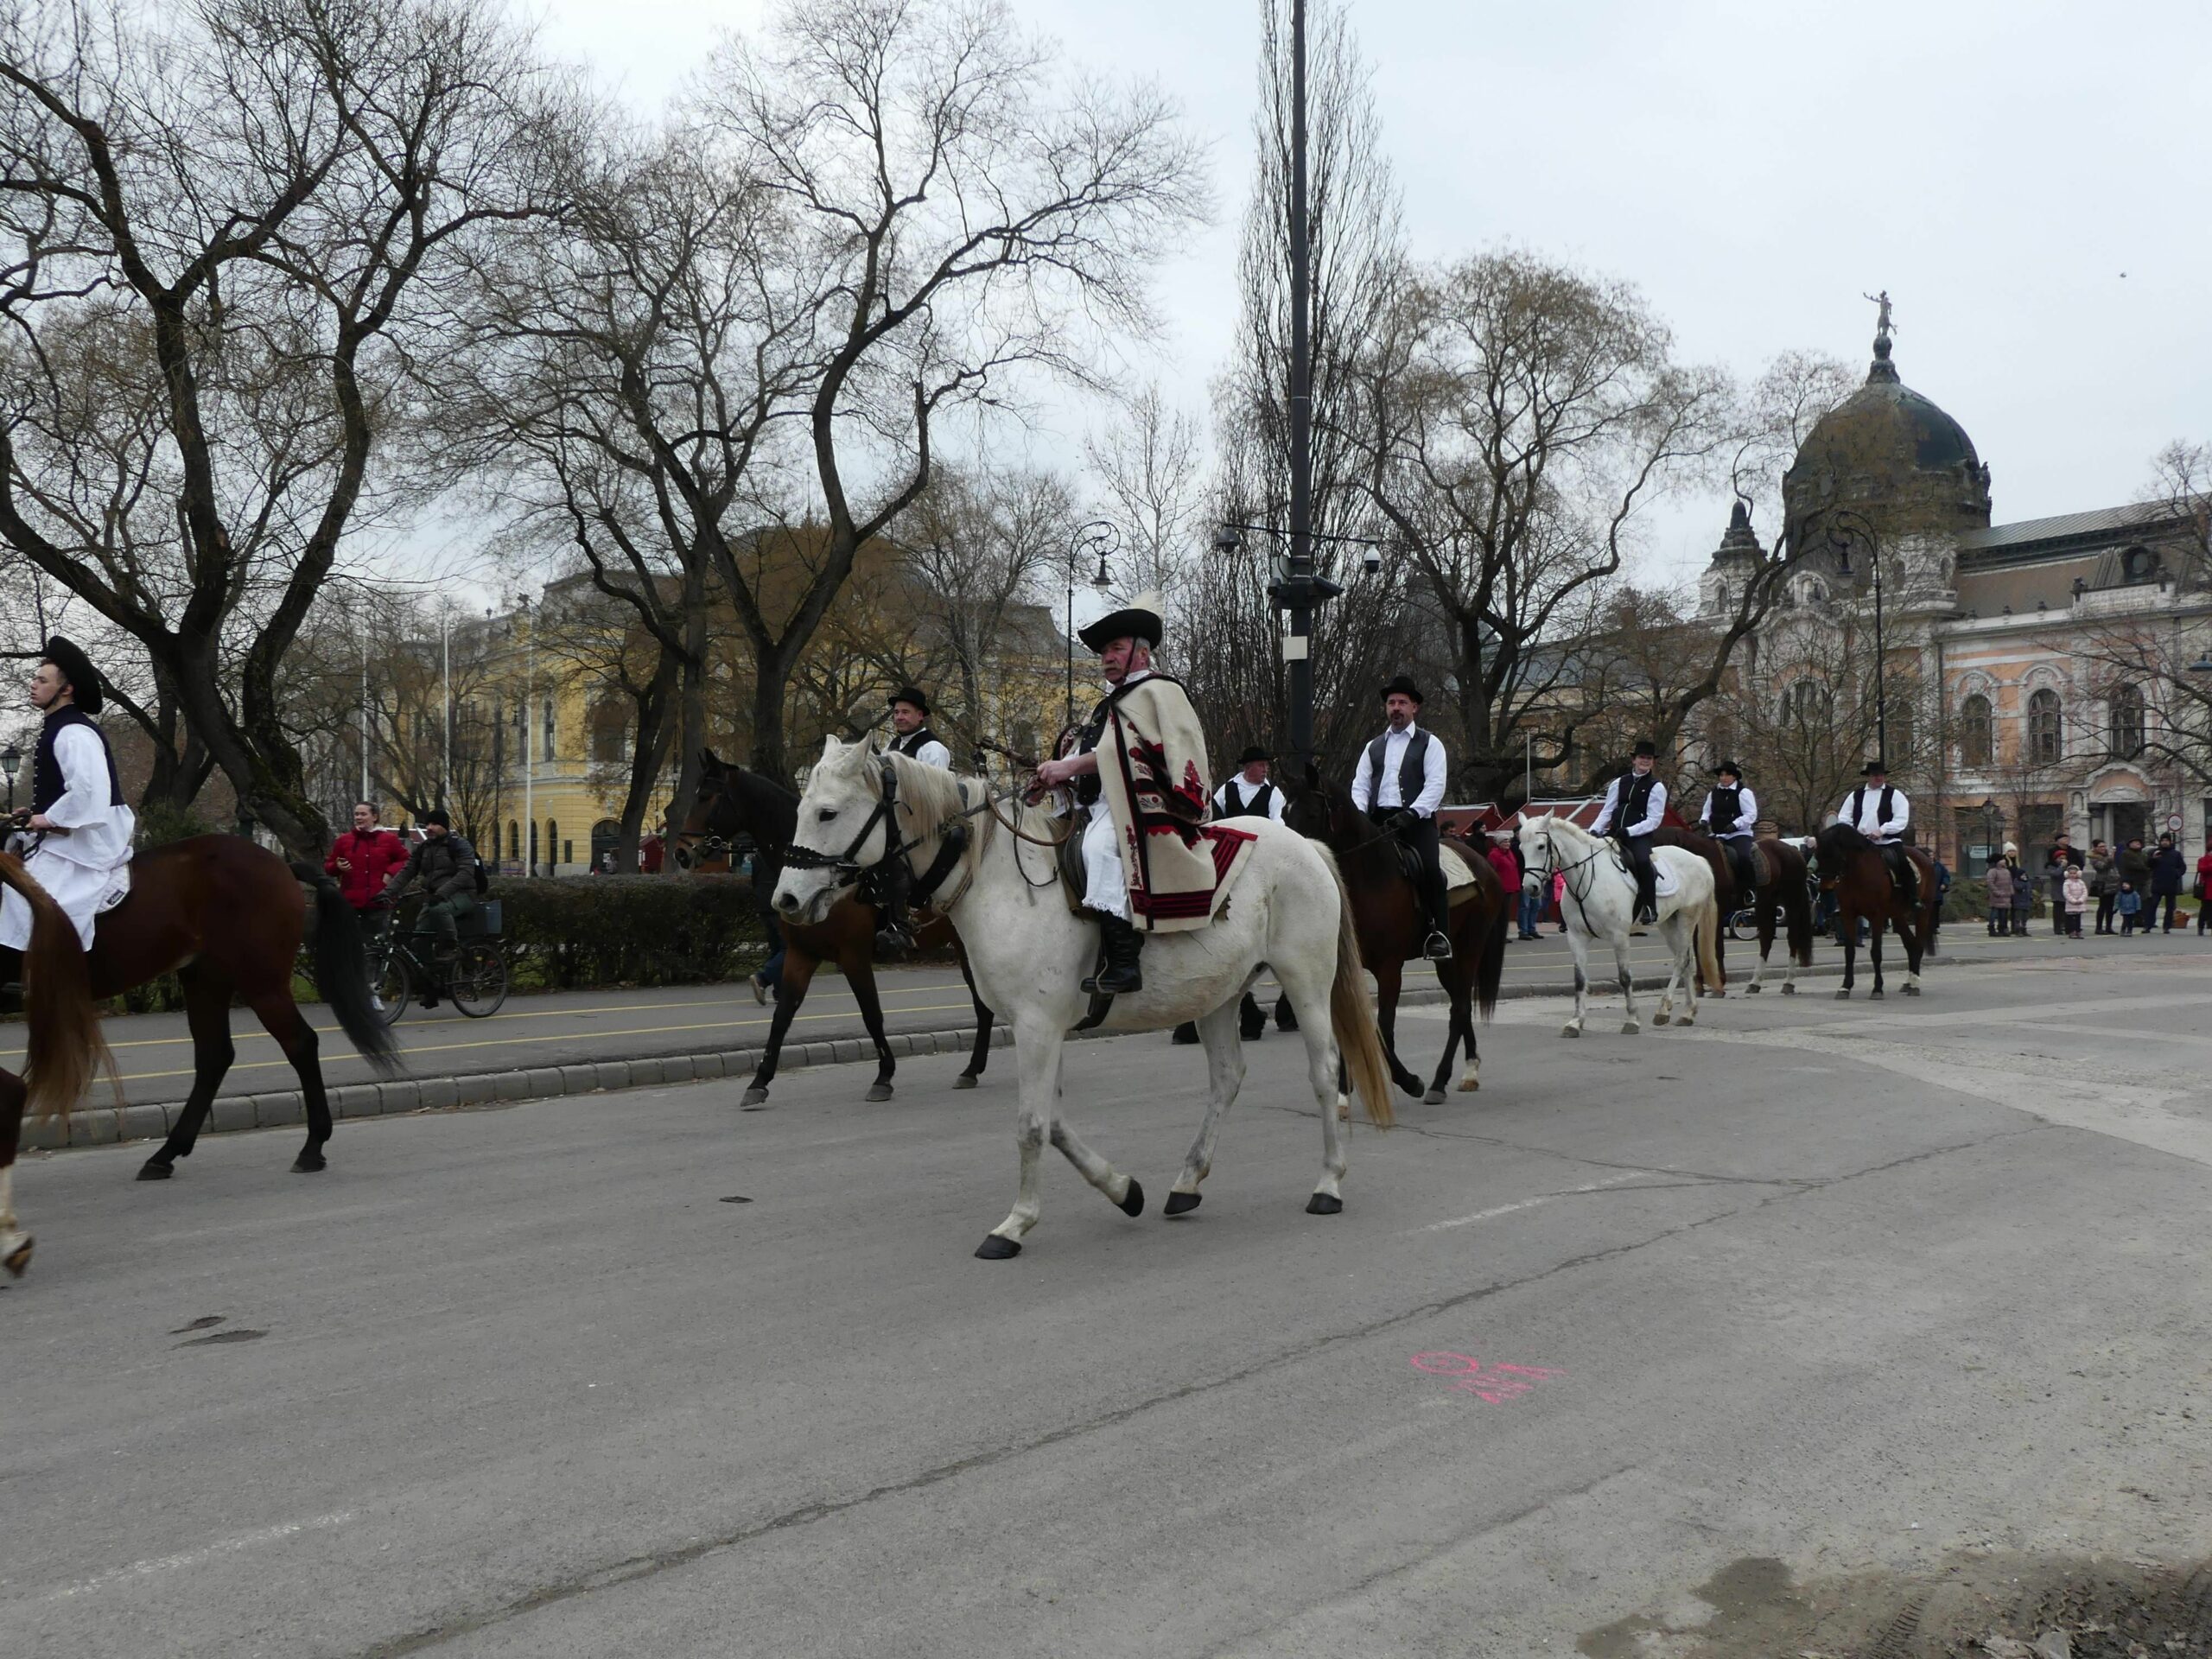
x,y
2023,893
2077,893
2129,903
2000,878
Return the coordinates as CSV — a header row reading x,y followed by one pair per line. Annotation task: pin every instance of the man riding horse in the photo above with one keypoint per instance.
x,y
1635,807
1139,767
1730,817
1399,784
910,719
1880,811
79,830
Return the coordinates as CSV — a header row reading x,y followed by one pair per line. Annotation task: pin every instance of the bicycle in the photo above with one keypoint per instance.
x,y
402,967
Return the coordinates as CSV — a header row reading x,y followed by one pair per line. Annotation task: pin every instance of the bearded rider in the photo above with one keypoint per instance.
x,y
1881,814
1399,784
77,846
1140,770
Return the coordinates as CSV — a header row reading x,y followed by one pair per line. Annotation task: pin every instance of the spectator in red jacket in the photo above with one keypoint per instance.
x,y
363,860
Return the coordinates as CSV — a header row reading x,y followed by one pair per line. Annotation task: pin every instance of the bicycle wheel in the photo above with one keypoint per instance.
x,y
478,983
1743,924
388,971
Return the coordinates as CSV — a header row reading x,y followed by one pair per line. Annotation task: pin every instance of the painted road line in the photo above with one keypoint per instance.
x,y
145,1569
1530,1203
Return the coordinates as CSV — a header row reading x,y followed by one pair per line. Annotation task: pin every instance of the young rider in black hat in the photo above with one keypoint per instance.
x,y
1636,805
1880,812
1399,784
910,720
1730,817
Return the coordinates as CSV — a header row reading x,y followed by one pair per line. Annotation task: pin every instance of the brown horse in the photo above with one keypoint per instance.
x,y
1388,917
732,802
1784,899
64,1046
1853,869
1725,897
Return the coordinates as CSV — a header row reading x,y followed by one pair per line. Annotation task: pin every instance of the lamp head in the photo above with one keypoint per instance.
x,y
1226,540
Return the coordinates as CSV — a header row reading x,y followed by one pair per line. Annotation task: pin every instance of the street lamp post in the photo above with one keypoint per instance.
x,y
1988,832
11,760
1844,528
1102,535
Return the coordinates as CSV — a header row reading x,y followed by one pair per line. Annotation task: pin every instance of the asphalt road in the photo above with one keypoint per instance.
x,y
1815,1294
154,1054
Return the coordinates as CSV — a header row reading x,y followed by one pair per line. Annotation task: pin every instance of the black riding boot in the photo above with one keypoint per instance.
x,y
1121,942
1647,895
894,939
1906,878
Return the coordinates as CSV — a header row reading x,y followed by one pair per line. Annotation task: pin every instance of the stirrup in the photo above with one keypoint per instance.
x,y
1438,946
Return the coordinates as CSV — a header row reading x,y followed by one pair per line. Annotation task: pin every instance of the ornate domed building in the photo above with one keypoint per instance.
x,y
2026,666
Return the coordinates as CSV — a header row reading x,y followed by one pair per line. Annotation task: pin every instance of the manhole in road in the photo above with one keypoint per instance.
x,y
1987,1607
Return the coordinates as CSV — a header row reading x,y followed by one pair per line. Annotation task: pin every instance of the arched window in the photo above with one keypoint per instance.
x,y
2044,731
610,730
606,840
553,842
1807,704
1977,732
514,841
1902,723
2124,725
551,749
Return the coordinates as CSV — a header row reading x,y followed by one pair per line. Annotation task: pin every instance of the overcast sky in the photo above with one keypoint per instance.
x,y
2028,181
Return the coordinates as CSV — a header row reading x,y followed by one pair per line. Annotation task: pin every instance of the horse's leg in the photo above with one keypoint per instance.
x,y
984,1017
15,1243
1389,977
1680,931
1307,985
1630,1025
1917,939
1037,1074
1874,954
1221,1032
1847,921
207,1015
1763,907
1457,978
1577,947
791,991
280,1017
859,968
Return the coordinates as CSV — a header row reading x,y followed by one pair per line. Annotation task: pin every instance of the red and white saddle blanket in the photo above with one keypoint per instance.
x,y
1229,848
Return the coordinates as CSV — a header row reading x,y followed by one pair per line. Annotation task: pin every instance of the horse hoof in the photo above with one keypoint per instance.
x,y
1324,1204
1412,1085
155,1170
1179,1203
879,1091
1185,1034
755,1098
994,1248
19,1258
1468,1086
1722,993
965,1080
1434,1097
1570,1031
1912,990
1790,990
1664,1019
1133,1201
1629,1027
308,1163
1750,990
1876,995
1843,995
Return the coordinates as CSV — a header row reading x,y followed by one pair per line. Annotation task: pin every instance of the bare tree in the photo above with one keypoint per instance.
x,y
965,210
266,191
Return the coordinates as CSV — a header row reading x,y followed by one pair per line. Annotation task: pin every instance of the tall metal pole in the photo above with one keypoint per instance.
x,y
1298,647
529,749
445,648
1070,641
364,795
1881,698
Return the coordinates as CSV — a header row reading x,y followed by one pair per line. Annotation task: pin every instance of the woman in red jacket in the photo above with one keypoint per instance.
x,y
363,860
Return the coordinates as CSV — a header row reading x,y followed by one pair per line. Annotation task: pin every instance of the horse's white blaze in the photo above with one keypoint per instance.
x,y
1599,899
1029,955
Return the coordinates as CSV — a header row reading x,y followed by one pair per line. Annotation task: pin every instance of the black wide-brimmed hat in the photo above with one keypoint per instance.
x,y
1254,752
1138,620
911,694
1645,747
1402,685
84,686
1874,769
1729,769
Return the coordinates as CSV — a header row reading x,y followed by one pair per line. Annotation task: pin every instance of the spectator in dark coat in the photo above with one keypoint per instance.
x,y
1999,878
2024,891
2133,866
2168,867
2104,883
2055,864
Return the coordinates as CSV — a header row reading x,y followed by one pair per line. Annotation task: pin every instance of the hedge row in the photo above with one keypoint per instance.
x,y
629,930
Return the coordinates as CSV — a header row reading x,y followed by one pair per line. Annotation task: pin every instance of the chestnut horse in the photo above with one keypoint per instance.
x,y
1852,867
732,802
1388,918
64,1045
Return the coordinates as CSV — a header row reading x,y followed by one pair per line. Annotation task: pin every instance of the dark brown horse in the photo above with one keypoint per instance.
x,y
1782,900
1392,927
64,1047
732,802
228,917
1853,869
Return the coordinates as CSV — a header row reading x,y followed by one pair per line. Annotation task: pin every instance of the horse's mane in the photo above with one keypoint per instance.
x,y
1844,837
930,796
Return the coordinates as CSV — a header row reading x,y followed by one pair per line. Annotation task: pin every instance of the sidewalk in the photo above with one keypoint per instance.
x,y
572,1042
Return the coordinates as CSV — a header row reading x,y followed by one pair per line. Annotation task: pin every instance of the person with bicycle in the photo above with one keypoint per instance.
x,y
446,866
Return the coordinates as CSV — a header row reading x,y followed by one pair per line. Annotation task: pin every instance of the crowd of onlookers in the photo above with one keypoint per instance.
x,y
2131,890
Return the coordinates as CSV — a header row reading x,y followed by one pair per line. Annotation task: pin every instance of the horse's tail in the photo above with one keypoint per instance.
x,y
1351,1015
341,972
64,1047
1489,967
1797,909
1709,931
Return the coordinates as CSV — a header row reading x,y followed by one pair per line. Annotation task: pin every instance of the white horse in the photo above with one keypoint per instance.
x,y
1029,955
1599,902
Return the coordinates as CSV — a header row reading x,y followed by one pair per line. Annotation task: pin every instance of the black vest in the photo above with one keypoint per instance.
x,y
1858,802
910,745
48,785
1412,769
1255,808
1635,799
1724,809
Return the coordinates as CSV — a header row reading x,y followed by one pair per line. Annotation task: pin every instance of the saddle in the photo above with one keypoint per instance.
x,y
1458,863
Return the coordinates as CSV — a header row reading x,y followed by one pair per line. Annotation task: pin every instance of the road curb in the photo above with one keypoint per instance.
x,y
94,1125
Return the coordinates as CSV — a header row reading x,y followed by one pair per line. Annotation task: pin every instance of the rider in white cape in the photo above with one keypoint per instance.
x,y
1029,954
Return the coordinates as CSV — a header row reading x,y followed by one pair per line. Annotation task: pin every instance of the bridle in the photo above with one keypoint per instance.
x,y
846,866
1552,866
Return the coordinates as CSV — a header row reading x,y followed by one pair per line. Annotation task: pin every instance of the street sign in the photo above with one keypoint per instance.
x,y
2174,823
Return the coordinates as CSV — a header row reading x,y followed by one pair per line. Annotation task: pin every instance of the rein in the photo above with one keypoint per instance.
x,y
1552,866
